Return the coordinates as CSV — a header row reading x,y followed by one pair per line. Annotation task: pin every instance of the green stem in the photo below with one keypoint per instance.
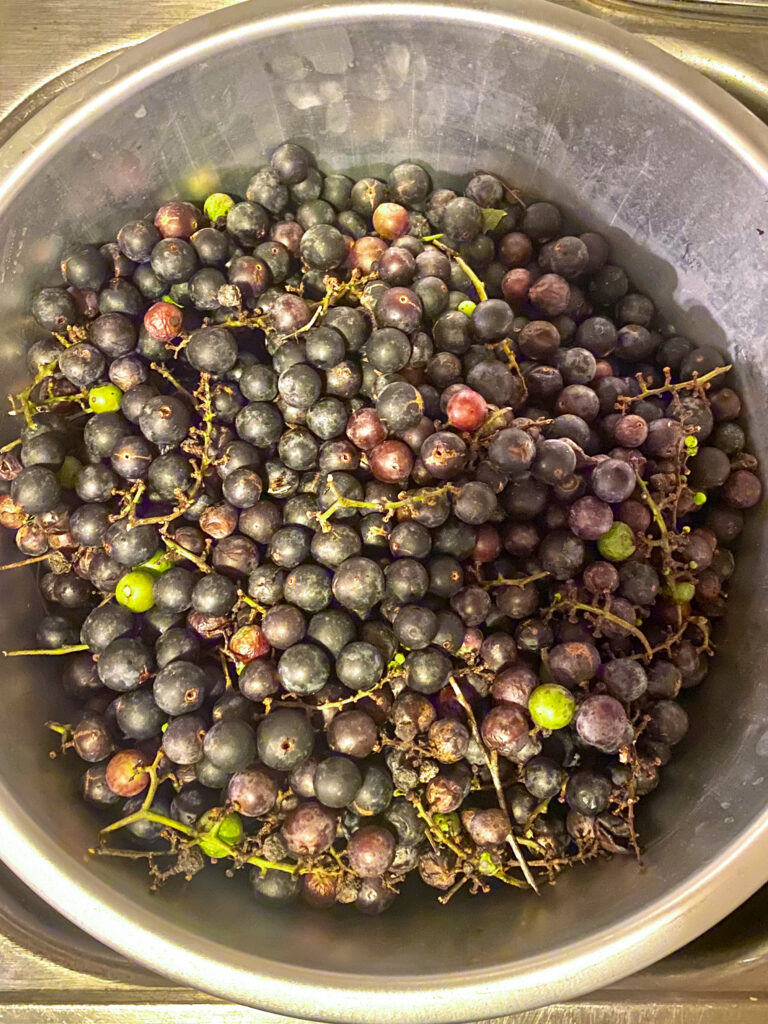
x,y
343,502
79,397
410,498
274,865
198,837
251,603
508,880
478,284
506,348
190,556
27,407
142,815
70,649
437,833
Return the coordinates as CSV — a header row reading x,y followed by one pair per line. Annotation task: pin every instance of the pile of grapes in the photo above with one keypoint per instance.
x,y
381,528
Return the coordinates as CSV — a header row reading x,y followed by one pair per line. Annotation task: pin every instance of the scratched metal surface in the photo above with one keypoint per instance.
x,y
47,973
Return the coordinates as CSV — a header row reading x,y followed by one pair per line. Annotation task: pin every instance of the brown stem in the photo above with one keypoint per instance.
x,y
668,386
502,582
25,561
566,603
184,501
492,761
360,694
166,373
130,500
656,513
512,194
334,291
453,890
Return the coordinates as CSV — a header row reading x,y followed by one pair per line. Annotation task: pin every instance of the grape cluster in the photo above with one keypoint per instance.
x,y
383,527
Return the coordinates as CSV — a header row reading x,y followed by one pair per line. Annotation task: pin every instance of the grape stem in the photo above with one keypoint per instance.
x,y
524,581
202,455
492,761
251,603
453,890
69,649
10,446
406,498
506,348
393,672
477,283
246,319
566,603
21,403
334,291
183,503
130,500
658,518
166,373
183,552
25,561
436,832
145,813
512,194
684,385
695,620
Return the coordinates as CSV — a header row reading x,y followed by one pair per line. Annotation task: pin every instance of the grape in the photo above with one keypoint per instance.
x,y
625,679
668,722
551,706
375,793
613,481
505,729
252,792
573,662
602,722
588,792
590,518
309,829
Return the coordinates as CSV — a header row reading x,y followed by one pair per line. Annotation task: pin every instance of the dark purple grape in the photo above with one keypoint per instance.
x,y
588,792
602,722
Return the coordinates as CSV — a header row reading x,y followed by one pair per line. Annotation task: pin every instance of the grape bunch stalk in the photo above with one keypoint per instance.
x,y
382,529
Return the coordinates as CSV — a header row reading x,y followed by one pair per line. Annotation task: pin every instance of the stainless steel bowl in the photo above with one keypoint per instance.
x,y
638,145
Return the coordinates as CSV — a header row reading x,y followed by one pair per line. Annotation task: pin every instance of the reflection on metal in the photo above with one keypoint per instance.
x,y
743,80
727,40
706,10
714,8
